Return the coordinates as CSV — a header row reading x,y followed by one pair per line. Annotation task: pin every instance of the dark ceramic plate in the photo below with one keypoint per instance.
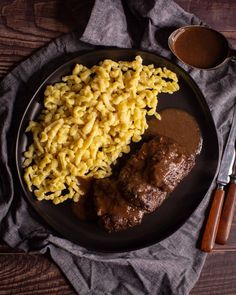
x,y
181,203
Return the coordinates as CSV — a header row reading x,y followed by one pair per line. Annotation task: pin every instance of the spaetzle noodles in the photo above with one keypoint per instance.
x,y
88,121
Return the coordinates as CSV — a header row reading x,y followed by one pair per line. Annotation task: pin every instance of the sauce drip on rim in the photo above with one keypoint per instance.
x,y
200,47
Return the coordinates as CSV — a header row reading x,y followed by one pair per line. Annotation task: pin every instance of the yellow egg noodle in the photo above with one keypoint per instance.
x,y
89,120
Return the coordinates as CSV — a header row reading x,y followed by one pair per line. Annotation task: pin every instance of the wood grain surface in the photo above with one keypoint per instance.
x,y
27,25
31,274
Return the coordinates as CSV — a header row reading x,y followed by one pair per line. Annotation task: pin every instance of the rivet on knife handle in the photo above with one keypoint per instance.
x,y
227,215
210,232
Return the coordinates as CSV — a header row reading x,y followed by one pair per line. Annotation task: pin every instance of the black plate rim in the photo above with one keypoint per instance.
x,y
50,222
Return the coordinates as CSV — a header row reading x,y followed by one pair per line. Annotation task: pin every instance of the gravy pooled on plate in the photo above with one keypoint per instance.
x,y
84,208
179,126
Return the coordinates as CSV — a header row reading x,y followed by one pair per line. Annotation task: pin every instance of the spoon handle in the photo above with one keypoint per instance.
x,y
210,232
227,215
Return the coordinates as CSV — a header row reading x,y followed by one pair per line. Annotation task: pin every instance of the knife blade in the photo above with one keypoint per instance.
x,y
228,209
226,164
227,159
233,175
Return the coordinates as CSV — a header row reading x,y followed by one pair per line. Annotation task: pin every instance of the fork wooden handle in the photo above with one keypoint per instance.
x,y
227,215
210,232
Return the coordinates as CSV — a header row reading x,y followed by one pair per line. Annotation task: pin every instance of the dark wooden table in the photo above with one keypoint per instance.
x,y
25,26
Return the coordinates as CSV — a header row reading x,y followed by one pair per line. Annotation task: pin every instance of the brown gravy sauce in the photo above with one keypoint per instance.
x,y
200,47
176,124
179,126
84,208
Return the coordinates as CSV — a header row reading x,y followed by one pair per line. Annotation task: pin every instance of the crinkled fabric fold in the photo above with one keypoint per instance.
x,y
169,267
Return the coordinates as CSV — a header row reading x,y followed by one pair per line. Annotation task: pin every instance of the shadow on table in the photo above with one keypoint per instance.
x,y
74,14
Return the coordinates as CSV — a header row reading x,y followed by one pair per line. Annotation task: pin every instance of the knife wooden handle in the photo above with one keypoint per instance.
x,y
227,215
210,232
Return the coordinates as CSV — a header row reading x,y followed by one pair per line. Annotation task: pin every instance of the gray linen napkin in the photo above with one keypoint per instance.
x,y
169,267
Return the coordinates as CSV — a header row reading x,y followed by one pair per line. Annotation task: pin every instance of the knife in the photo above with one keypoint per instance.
x,y
228,210
226,164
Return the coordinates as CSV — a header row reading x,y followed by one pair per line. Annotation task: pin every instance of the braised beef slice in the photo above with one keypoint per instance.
x,y
114,211
151,174
143,183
